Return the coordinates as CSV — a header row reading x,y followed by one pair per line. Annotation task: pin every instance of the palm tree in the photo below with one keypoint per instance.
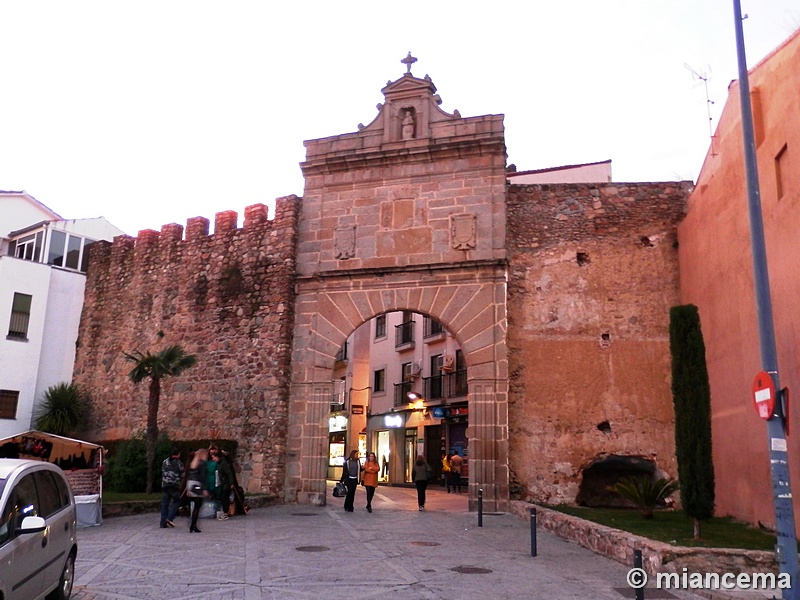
x,y
171,361
63,409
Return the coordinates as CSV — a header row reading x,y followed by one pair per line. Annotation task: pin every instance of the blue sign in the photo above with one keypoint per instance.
x,y
438,412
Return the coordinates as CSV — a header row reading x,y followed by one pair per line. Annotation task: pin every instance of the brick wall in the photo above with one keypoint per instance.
x,y
226,297
593,272
83,482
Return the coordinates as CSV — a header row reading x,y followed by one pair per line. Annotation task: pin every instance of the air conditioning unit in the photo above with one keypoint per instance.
x,y
416,369
448,362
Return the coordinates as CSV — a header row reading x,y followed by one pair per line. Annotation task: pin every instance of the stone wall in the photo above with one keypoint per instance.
x,y
227,298
593,272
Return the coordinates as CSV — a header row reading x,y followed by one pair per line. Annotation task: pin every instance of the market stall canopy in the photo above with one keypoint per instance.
x,y
65,452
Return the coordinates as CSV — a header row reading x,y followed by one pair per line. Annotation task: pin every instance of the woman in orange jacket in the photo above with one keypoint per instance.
x,y
370,477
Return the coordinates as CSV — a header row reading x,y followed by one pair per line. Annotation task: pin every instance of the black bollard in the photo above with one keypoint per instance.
x,y
480,508
637,564
533,532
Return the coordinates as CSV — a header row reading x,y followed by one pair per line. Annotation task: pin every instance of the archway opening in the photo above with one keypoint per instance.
x,y
399,390
606,470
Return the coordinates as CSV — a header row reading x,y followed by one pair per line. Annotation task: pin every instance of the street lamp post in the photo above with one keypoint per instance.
x,y
786,547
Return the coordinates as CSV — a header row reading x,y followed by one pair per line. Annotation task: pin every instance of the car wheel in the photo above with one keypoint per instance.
x,y
64,589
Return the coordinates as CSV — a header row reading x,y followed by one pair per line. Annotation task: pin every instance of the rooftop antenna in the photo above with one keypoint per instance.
x,y
704,78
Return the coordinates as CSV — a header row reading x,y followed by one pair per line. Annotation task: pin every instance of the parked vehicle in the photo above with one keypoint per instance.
x,y
38,541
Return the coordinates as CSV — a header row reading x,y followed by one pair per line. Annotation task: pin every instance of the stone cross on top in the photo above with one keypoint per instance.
x,y
408,61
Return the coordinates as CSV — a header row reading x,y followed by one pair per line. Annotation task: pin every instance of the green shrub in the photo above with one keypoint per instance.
x,y
127,468
692,400
63,410
645,492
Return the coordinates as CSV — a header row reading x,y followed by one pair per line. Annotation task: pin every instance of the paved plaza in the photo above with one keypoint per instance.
x,y
303,552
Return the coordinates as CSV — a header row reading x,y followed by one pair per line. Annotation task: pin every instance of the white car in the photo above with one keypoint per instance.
x,y
38,541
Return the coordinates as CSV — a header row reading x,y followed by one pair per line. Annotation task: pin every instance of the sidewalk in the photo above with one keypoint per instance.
x,y
308,552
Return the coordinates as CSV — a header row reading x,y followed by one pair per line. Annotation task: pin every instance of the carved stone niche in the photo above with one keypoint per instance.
x,y
408,123
463,231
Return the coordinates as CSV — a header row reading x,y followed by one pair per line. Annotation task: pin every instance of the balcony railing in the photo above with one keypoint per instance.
x,y
404,334
446,385
431,328
18,328
401,391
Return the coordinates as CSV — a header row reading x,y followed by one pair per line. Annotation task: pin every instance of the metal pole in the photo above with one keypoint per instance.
x,y
480,508
637,564
534,549
786,548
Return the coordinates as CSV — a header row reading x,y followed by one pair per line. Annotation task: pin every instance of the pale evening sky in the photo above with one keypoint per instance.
x,y
152,112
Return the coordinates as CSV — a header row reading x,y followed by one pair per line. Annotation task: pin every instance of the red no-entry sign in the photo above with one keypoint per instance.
x,y
764,395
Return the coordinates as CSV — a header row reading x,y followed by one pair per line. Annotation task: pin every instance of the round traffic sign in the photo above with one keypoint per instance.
x,y
764,395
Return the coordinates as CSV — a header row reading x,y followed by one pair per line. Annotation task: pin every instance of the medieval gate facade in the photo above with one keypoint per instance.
x,y
558,296
406,214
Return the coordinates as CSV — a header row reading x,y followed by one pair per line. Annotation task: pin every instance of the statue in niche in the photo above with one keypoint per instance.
x,y
408,126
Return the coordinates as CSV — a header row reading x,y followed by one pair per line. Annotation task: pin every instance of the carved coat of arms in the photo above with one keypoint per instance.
x,y
344,242
462,231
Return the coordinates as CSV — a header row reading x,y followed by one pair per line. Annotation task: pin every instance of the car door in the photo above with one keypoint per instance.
x,y
21,553
59,522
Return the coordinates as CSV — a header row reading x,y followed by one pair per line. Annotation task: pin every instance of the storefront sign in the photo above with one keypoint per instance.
x,y
455,412
337,423
393,421
438,412
357,409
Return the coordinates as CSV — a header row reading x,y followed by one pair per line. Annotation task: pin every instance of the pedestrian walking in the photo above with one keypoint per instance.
x,y
196,485
421,473
370,478
351,470
456,464
446,470
171,477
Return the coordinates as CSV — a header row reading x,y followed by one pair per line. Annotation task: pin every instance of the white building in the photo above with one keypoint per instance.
x,y
43,261
596,172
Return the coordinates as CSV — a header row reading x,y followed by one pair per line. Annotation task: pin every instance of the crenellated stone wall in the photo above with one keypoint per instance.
x,y
592,274
227,298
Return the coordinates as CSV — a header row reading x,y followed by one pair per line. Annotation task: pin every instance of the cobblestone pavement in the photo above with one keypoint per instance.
x,y
303,552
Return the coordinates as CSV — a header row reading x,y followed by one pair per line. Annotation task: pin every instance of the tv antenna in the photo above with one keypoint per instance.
x,y
704,78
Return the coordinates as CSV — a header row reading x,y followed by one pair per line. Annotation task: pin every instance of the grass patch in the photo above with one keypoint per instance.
x,y
674,527
109,496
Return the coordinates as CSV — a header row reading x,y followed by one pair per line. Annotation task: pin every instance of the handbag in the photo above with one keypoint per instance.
x,y
339,490
194,489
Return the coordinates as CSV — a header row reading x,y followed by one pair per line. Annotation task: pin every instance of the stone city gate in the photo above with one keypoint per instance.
x,y
406,214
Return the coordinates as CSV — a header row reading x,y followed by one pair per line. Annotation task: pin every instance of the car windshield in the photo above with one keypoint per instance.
x,y
2,485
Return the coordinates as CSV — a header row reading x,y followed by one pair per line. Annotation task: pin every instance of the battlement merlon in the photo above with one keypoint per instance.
x,y
197,228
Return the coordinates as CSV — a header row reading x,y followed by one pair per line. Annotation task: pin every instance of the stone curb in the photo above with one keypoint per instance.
x,y
658,557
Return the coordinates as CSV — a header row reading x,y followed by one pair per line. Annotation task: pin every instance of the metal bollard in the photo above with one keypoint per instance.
x,y
480,508
637,564
534,549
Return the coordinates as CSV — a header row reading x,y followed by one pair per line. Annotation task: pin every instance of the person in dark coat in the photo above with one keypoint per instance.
x,y
196,485
351,470
421,473
171,477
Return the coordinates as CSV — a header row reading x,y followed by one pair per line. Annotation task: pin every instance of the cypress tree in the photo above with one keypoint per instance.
x,y
691,395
